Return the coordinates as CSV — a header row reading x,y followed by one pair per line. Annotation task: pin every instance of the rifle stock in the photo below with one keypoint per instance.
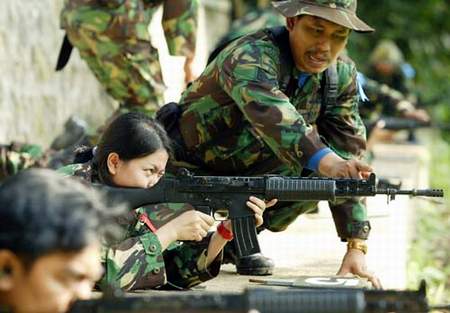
x,y
211,194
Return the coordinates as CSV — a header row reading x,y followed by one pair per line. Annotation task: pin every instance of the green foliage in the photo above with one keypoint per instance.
x,y
421,29
430,251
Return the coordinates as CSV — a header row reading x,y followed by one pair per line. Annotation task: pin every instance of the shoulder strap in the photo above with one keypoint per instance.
x,y
223,43
329,87
280,37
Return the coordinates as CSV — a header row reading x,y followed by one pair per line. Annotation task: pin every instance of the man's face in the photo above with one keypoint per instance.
x,y
315,42
144,172
55,281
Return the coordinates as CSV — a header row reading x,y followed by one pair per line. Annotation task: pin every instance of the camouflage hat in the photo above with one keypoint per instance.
x,y
386,51
341,12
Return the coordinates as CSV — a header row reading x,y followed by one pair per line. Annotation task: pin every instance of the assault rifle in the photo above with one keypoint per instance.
x,y
396,123
267,301
216,194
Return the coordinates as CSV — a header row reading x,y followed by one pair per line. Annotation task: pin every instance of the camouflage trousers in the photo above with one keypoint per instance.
x,y
138,262
17,157
129,70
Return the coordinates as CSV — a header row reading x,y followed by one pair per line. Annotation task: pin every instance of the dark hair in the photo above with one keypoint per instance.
x,y
131,135
42,212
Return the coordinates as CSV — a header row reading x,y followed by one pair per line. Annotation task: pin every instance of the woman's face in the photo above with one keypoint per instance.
x,y
142,172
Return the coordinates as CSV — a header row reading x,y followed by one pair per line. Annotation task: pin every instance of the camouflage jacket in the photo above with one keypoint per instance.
x,y
128,20
138,262
237,119
235,115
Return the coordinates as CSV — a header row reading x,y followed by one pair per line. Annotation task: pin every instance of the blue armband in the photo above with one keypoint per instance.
x,y
313,162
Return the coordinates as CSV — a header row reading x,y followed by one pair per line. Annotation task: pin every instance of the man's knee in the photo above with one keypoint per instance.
x,y
283,214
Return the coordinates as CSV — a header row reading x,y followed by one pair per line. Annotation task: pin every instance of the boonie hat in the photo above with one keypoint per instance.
x,y
386,51
341,12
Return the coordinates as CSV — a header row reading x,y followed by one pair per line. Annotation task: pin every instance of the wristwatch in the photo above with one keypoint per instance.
x,y
358,244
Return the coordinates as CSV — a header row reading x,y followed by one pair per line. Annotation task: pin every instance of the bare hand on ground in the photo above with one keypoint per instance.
x,y
354,262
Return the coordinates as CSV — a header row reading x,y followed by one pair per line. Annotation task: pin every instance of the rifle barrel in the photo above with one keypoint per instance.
x,y
437,193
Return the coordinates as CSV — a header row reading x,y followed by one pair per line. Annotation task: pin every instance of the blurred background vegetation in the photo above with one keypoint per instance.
x,y
422,30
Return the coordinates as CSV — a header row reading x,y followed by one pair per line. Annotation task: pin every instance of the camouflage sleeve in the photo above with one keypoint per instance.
x,y
249,76
134,263
350,218
186,264
138,261
386,100
180,19
343,130
341,125
70,169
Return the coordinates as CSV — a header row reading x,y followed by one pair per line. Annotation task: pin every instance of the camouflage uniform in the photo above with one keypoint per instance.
x,y
113,38
237,121
17,157
138,262
382,100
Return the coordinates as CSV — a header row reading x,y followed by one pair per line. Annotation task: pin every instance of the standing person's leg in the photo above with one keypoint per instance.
x,y
129,71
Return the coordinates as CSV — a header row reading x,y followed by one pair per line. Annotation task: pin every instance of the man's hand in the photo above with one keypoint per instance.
x,y
334,166
354,262
258,206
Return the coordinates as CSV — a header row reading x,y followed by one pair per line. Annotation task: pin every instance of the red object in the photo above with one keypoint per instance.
x,y
144,219
224,232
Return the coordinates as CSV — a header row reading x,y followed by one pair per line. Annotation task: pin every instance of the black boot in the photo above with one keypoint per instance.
x,y
74,131
254,264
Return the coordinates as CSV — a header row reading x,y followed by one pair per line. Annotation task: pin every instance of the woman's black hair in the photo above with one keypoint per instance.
x,y
131,135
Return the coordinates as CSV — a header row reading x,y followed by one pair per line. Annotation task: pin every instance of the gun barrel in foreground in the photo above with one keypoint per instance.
x,y
267,301
210,194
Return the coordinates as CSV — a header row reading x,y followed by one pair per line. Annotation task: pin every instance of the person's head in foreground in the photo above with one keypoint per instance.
x,y
319,30
49,247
